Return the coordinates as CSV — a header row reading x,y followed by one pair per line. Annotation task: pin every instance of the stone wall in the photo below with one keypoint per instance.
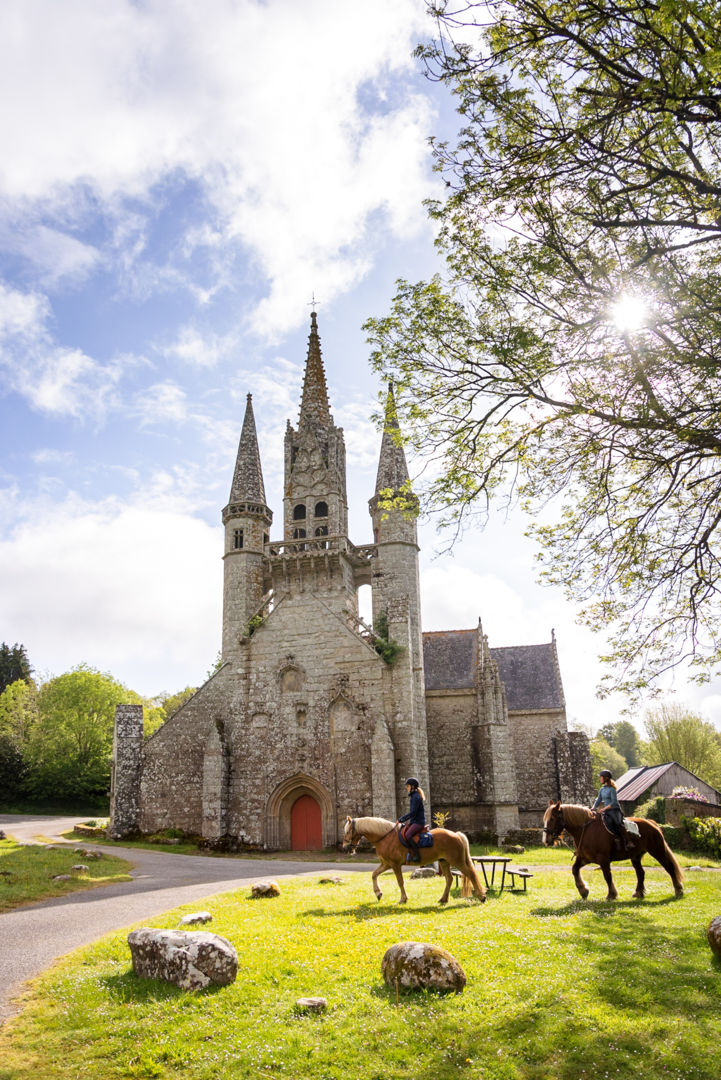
x,y
536,774
126,771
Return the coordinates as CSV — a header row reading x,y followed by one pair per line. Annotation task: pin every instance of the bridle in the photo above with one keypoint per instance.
x,y
356,837
553,836
550,837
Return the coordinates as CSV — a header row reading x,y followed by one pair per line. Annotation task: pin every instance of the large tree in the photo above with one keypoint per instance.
x,y
70,747
624,738
571,350
675,733
14,665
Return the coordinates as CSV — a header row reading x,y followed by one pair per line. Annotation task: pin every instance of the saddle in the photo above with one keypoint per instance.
x,y
423,839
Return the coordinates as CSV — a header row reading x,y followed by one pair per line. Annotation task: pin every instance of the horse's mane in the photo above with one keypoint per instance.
x,y
573,814
373,826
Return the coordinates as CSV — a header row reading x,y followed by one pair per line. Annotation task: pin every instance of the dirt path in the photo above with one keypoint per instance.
x,y
32,937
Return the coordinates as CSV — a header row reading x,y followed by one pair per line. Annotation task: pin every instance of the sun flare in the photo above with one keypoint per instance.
x,y
629,312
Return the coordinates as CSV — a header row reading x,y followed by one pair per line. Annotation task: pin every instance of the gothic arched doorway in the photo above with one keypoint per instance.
x,y
306,825
316,814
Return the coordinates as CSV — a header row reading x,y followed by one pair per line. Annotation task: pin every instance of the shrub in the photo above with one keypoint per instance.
x,y
654,810
705,834
673,835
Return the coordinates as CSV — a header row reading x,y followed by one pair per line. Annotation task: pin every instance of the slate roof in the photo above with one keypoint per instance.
x,y
247,485
529,672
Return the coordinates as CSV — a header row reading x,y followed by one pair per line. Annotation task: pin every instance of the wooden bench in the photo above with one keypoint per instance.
x,y
523,876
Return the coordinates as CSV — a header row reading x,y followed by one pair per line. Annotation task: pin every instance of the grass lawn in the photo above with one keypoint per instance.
x,y
26,872
558,989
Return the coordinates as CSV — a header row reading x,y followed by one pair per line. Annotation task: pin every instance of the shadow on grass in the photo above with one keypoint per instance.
x,y
603,907
127,987
366,912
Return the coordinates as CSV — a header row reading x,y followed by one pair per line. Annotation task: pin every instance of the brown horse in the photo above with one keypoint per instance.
x,y
594,844
449,848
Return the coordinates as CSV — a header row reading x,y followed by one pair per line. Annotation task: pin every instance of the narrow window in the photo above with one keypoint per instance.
x,y
298,534
322,530
321,509
299,512
237,539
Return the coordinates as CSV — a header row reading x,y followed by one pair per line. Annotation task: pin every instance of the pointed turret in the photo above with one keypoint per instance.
x,y
314,407
247,521
315,501
392,468
248,476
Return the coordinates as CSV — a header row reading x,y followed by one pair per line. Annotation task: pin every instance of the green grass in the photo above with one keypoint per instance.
x,y
26,872
558,989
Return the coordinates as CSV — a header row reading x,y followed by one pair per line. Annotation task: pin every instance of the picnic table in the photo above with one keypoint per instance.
x,y
490,862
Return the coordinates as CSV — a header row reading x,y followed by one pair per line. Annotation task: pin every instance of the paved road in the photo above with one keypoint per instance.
x,y
32,937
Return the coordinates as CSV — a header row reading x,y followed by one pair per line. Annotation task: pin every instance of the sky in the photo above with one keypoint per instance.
x,y
177,182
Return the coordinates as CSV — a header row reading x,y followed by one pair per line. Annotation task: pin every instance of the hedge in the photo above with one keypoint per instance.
x,y
705,834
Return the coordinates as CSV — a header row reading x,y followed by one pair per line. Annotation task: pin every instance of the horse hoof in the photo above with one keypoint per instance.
x,y
403,900
679,893
378,897
443,900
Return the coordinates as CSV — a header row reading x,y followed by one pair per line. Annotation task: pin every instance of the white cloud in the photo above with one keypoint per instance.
x,y
162,403
52,377
134,589
55,255
288,116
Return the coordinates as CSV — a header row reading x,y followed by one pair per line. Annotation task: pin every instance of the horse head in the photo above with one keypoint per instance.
x,y
553,823
350,837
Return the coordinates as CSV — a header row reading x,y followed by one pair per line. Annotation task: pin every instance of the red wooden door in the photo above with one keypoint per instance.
x,y
306,828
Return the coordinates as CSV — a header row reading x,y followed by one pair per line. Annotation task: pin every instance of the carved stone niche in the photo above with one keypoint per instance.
x,y
292,679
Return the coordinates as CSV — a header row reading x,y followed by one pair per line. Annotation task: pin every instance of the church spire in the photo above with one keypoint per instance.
x,y
392,468
247,483
314,407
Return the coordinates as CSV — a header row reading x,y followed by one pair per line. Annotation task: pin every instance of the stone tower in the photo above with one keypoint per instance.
x,y
247,521
396,599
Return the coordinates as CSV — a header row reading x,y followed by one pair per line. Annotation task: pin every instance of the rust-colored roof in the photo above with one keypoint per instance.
x,y
635,782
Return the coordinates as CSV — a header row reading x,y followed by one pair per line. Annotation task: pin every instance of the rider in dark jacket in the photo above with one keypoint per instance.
x,y
416,816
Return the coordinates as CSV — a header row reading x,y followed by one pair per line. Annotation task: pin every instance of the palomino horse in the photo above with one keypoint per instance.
x,y
594,844
449,848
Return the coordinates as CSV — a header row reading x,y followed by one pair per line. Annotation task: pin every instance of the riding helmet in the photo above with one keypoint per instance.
x,y
412,782
606,774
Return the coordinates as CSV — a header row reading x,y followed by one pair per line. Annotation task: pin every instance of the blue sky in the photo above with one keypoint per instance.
x,y
177,180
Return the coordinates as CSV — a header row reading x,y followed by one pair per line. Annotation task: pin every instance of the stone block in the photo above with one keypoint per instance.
x,y
191,960
417,965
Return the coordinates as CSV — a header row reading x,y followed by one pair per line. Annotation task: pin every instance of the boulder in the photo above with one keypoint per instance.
x,y
329,880
713,934
62,877
514,849
80,868
312,1004
265,888
424,871
416,965
191,960
2,835
196,917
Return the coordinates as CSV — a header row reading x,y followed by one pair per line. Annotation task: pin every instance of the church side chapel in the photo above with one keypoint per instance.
x,y
306,721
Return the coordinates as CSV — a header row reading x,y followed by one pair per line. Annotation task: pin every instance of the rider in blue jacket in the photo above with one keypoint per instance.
x,y
608,804
416,816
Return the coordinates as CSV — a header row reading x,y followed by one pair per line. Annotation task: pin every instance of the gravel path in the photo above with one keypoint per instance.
x,y
32,937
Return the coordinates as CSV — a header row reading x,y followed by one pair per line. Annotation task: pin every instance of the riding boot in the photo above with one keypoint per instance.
x,y
415,853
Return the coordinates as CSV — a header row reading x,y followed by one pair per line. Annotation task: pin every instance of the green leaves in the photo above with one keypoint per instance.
x,y
588,168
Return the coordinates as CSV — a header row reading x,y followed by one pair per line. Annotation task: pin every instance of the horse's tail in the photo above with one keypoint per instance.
x,y
471,881
660,850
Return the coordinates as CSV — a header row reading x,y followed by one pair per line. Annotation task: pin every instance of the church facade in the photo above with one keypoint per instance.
x,y
312,715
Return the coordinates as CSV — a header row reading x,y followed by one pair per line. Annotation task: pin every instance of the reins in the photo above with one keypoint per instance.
x,y
362,837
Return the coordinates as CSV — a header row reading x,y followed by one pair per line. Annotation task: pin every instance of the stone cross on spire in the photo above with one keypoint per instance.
x,y
314,407
392,468
247,483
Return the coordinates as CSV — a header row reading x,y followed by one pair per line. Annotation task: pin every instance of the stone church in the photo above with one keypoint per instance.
x,y
306,721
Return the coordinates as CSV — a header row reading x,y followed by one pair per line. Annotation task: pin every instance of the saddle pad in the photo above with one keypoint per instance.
x,y
631,826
